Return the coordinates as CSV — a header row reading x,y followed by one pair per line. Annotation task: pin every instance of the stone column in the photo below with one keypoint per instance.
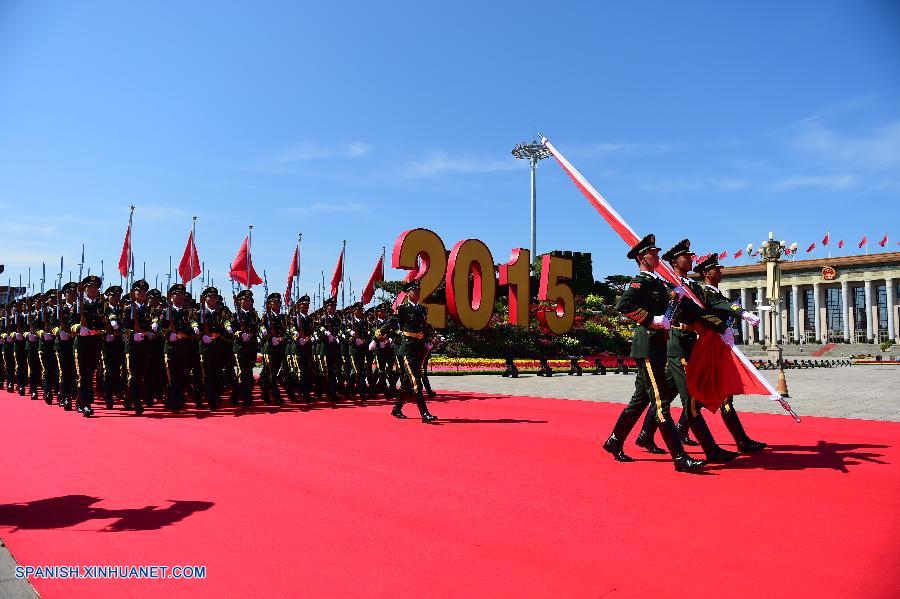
x,y
869,328
817,313
763,316
745,327
777,317
889,292
845,308
795,306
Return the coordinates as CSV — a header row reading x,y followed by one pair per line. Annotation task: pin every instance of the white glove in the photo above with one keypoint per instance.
x,y
196,330
728,337
155,326
19,337
64,335
173,337
275,340
114,324
661,322
110,338
84,331
138,337
372,345
32,337
353,333
207,339
229,329
245,337
751,318
48,336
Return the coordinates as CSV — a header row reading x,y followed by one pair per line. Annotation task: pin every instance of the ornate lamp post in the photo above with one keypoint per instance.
x,y
771,252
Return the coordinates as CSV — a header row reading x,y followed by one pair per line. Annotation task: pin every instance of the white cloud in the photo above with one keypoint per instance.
x,y
694,184
878,151
305,151
156,212
441,162
324,207
834,182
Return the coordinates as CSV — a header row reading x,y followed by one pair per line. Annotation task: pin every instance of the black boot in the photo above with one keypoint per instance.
x,y
744,443
426,417
714,453
683,433
683,462
614,446
646,442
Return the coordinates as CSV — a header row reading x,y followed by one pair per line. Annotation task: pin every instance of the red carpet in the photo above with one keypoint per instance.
x,y
508,497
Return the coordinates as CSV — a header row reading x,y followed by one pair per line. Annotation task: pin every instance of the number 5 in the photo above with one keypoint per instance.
x,y
553,270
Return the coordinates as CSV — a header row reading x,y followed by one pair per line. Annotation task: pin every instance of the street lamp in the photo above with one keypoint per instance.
x,y
771,252
533,152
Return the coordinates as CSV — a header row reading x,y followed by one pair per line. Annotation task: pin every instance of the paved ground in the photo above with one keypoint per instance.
x,y
864,392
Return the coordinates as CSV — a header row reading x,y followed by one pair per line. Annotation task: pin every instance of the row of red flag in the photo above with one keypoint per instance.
x,y
789,251
242,270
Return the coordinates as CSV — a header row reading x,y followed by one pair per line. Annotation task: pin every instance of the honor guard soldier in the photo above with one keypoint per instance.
x,y
275,333
246,346
87,324
138,328
176,329
113,348
3,320
723,312
32,345
65,345
645,301
329,329
21,353
411,320
155,380
210,326
49,365
303,346
358,341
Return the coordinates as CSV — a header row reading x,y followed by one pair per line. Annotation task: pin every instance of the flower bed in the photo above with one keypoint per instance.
x,y
448,365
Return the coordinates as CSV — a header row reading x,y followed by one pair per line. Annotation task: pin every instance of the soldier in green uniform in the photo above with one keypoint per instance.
x,y
329,329
20,319
245,332
303,328
65,345
87,324
723,312
682,338
645,301
274,333
411,321
156,346
32,344
210,325
175,326
138,328
3,321
113,348
46,351
357,332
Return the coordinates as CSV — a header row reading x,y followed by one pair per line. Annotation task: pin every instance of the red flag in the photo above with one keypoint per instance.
x,y
292,272
377,275
190,263
242,263
841,243
811,247
125,258
827,239
883,240
723,255
787,251
338,275
739,253
746,377
864,240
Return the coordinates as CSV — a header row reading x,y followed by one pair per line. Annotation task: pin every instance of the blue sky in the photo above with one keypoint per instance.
x,y
344,120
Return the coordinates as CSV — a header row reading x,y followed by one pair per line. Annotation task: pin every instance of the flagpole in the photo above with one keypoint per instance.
x,y
297,276
322,294
382,272
191,250
249,243
131,247
343,268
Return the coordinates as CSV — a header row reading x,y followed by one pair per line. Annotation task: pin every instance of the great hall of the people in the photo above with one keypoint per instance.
x,y
850,299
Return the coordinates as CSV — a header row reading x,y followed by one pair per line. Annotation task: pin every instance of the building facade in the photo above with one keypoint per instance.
x,y
850,299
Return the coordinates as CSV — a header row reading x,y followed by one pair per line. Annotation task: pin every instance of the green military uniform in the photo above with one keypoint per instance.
x,y
175,327
245,347
211,326
32,345
301,347
645,301
329,328
88,324
358,339
65,345
46,349
275,333
113,349
138,322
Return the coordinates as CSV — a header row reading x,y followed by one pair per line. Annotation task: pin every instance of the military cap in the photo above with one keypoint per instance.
x,y
140,285
710,261
304,299
113,290
210,291
679,249
330,302
355,306
92,280
50,294
177,288
273,297
155,293
414,284
70,286
644,245
245,293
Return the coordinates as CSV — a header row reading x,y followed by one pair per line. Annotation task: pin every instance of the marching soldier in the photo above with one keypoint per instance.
x,y
303,346
138,328
65,345
176,328
3,320
645,301
245,345
32,345
329,329
358,342
47,350
87,323
113,348
20,342
275,333
210,325
724,311
156,361
411,321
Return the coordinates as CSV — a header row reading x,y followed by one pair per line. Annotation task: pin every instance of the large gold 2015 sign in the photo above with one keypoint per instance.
x,y
422,252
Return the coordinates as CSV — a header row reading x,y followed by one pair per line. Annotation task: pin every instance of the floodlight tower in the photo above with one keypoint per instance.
x,y
533,152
